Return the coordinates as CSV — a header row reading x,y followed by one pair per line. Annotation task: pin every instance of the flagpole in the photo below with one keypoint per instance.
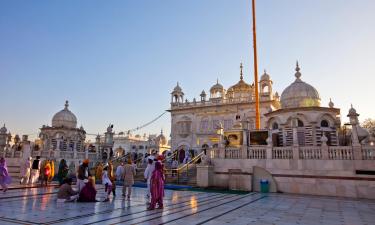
x,y
257,113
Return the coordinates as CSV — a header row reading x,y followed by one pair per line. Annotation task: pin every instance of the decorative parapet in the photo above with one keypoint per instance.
x,y
256,152
304,153
282,153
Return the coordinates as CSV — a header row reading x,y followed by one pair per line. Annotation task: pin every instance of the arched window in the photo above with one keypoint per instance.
x,y
275,126
324,123
300,123
265,88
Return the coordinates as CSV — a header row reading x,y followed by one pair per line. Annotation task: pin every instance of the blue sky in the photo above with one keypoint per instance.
x,y
117,61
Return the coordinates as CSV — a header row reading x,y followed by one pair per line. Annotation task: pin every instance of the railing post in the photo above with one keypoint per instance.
x,y
244,152
357,152
269,152
295,150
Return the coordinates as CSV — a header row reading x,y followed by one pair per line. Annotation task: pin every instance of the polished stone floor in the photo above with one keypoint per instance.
x,y
39,206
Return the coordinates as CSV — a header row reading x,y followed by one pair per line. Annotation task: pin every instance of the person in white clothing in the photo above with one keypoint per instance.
x,y
148,173
120,171
25,171
107,183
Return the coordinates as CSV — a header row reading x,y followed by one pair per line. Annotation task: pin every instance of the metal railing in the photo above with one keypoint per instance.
x,y
184,169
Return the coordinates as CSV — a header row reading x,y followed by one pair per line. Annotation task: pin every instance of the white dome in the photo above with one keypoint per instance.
x,y
299,94
265,76
64,118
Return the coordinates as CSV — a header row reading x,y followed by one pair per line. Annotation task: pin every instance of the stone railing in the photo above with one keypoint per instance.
x,y
340,153
368,152
213,153
256,153
233,153
66,154
282,153
310,152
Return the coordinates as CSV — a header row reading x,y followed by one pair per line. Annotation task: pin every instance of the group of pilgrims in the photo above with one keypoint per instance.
x,y
43,171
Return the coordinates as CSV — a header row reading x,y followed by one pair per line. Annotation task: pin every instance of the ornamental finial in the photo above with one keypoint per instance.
x,y
241,74
297,74
66,104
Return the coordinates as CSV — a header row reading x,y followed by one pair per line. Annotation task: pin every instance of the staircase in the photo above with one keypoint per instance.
x,y
185,174
14,168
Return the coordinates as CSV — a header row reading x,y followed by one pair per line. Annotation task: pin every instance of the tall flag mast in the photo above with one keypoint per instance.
x,y
257,113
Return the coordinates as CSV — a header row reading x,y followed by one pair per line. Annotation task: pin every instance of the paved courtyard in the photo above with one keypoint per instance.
x,y
39,206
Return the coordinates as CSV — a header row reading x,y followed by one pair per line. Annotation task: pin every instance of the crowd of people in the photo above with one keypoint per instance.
x,y
36,170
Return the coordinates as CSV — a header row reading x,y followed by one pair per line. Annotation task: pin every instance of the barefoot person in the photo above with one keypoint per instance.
x,y
63,171
66,192
25,171
129,173
88,192
35,170
157,187
148,173
5,179
107,183
83,174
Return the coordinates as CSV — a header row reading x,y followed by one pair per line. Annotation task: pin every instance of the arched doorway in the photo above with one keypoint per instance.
x,y
204,148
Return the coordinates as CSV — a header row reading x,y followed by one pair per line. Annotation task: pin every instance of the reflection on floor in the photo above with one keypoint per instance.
x,y
39,206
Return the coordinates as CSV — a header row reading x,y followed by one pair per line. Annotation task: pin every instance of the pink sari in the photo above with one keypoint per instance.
x,y
157,186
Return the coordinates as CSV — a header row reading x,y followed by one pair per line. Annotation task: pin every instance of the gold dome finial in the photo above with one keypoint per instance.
x,y
241,74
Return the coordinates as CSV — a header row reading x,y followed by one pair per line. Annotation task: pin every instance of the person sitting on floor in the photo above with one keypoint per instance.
x,y
88,193
66,192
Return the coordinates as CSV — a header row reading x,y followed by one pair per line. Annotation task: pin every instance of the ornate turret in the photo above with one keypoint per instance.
x,y
265,84
217,90
203,96
177,94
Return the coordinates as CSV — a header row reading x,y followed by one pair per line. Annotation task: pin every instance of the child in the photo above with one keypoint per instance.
x,y
107,182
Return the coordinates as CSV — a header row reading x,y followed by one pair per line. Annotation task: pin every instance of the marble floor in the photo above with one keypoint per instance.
x,y
39,206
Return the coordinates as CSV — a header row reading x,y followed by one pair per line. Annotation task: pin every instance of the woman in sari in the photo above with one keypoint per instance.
x,y
45,173
63,171
5,179
157,187
88,192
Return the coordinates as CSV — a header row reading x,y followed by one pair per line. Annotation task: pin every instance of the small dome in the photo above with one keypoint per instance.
x,y
3,130
353,112
203,94
241,86
299,94
64,118
265,76
177,90
161,139
217,87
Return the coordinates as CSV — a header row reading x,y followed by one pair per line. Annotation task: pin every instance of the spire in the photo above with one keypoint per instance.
x,y
241,74
161,131
330,104
66,104
217,80
297,74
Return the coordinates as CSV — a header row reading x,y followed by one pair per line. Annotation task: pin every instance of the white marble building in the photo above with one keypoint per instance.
x,y
195,124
